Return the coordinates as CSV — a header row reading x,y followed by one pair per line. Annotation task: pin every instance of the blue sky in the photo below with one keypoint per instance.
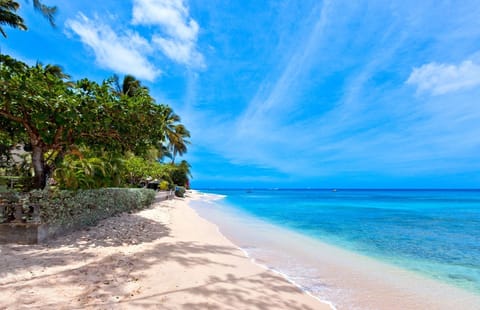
x,y
291,93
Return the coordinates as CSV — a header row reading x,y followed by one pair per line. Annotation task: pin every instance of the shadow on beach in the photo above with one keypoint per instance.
x,y
121,230
103,266
234,291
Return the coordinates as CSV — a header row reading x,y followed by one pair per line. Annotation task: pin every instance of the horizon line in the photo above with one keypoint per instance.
x,y
336,188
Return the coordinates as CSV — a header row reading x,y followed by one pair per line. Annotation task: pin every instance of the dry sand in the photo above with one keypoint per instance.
x,y
165,257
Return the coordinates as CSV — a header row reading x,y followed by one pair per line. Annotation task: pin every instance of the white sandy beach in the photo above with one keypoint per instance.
x,y
348,279
165,257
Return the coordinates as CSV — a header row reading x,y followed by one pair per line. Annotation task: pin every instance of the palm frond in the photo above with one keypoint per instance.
x,y
9,17
47,11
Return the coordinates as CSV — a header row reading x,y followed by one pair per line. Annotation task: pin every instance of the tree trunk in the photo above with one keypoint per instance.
x,y
38,161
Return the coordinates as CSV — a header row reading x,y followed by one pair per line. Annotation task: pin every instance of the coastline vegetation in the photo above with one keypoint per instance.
x,y
84,134
62,134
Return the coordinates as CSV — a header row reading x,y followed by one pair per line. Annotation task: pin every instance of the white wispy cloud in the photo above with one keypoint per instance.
x,y
125,48
440,78
179,32
270,96
181,52
370,127
124,53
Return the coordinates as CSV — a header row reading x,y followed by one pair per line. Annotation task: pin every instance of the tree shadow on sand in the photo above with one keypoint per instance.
x,y
121,230
112,281
234,291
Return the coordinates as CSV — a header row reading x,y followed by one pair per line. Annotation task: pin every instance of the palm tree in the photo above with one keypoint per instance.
x,y
164,151
129,87
56,71
174,134
185,166
168,121
178,141
9,17
47,11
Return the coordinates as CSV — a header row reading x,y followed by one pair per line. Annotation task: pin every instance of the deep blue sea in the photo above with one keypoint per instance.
x,y
434,232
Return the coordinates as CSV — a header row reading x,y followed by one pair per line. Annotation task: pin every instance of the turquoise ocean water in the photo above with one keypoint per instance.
x,y
433,232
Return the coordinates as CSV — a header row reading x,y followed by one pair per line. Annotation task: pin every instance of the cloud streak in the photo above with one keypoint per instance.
x,y
367,122
179,32
124,53
125,48
440,79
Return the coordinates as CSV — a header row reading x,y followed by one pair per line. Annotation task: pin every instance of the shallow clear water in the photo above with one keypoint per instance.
x,y
434,232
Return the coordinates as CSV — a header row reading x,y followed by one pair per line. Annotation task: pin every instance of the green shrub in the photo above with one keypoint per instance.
x,y
164,186
87,207
90,171
180,191
8,198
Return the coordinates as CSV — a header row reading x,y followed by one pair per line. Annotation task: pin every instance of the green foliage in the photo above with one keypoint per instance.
x,y
87,207
139,170
164,186
178,141
47,11
40,108
9,16
8,198
90,171
180,191
180,173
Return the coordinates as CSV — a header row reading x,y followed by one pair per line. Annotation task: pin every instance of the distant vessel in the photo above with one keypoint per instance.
x,y
334,190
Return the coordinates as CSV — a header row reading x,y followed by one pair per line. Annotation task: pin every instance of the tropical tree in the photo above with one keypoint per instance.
x,y
175,134
40,102
169,121
139,170
178,141
40,108
180,173
9,16
89,169
163,151
47,11
130,86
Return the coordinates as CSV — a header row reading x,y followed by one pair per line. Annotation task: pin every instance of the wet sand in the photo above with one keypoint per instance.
x,y
345,278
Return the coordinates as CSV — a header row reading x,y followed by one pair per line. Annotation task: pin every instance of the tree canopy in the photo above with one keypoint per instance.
x,y
41,108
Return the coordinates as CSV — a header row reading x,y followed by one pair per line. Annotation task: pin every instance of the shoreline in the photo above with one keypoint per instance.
x,y
254,261
363,281
165,257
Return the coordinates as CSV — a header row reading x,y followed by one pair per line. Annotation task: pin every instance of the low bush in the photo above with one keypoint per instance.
x,y
180,191
87,207
8,198
164,186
